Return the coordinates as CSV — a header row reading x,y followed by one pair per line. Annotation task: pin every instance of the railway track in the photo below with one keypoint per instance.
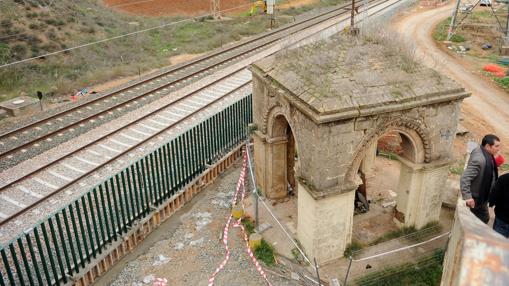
x,y
26,141
31,189
58,175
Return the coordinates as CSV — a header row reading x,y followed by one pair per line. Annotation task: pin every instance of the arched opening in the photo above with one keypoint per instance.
x,y
285,155
382,188
282,132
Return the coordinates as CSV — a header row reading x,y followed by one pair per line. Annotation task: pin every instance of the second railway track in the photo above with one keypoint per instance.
x,y
35,187
24,142
40,185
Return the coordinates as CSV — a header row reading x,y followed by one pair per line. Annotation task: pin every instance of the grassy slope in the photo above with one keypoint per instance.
x,y
70,23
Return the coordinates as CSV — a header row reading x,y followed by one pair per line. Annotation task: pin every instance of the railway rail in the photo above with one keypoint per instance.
x,y
95,218
54,177
33,138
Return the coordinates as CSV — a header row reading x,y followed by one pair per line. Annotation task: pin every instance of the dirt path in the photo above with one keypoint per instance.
x,y
487,110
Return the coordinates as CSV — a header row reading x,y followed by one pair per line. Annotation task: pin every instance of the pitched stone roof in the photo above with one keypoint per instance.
x,y
356,76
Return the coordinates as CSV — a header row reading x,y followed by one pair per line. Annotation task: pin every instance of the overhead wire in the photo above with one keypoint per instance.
x,y
111,38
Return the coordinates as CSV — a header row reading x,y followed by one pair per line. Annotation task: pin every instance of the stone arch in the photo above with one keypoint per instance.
x,y
276,121
279,132
416,142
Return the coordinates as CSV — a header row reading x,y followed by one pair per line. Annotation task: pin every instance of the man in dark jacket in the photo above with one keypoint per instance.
x,y
499,198
480,176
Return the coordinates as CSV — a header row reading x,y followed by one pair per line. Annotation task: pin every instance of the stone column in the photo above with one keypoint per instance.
x,y
420,192
324,224
368,163
271,165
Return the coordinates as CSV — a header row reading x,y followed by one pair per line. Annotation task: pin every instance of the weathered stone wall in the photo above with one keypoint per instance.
x,y
334,150
324,226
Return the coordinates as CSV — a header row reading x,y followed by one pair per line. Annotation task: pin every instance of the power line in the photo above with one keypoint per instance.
x,y
110,39
130,3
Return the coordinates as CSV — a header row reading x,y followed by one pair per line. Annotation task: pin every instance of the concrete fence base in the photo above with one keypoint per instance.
x,y
138,232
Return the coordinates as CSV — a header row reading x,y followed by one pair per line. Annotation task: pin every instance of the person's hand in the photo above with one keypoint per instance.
x,y
470,203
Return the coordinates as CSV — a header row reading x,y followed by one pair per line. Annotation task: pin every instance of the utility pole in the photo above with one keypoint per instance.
x,y
353,29
269,6
453,20
504,51
216,11
352,15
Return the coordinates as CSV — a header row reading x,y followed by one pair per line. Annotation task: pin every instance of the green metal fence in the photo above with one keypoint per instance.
x,y
62,244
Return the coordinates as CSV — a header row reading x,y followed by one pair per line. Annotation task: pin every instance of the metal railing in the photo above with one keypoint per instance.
x,y
62,244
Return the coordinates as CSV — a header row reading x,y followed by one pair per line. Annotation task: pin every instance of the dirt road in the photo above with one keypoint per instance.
x,y
487,110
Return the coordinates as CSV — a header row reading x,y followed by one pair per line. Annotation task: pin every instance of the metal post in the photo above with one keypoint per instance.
x,y
507,27
352,16
317,274
348,270
255,190
453,20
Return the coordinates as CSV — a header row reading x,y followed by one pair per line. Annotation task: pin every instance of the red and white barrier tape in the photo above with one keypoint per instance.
x,y
246,239
251,254
160,282
238,223
227,226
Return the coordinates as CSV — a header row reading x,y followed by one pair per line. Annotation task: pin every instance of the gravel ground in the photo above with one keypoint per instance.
x,y
191,253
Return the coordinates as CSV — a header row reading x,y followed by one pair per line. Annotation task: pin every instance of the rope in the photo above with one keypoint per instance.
x,y
270,212
402,248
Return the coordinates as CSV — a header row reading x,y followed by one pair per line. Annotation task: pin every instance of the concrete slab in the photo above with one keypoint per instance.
x,y
20,105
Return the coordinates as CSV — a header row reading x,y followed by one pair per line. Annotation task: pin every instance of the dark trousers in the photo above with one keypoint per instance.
x,y
481,212
501,227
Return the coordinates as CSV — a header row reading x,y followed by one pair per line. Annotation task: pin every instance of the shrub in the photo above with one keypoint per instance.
x,y
50,21
248,225
19,51
52,35
456,38
503,81
352,248
5,51
265,253
6,23
32,40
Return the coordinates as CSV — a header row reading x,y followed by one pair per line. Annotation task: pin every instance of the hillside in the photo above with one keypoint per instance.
x,y
30,28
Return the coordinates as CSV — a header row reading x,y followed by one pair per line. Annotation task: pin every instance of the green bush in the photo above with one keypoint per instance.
x,y
352,248
32,15
456,38
5,53
6,23
18,51
503,81
440,33
248,225
265,252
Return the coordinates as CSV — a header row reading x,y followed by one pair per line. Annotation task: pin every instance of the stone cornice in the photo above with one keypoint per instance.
x,y
354,112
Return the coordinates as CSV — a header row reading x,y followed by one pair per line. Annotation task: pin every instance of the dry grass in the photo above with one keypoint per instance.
x,y
320,64
402,52
71,23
